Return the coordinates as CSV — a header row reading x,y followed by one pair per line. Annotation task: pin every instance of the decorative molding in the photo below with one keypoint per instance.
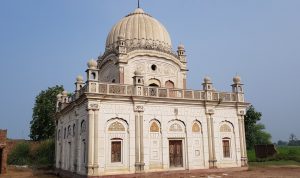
x,y
225,128
175,128
139,108
92,105
116,126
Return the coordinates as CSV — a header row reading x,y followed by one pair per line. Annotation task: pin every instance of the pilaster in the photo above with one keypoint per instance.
x,y
93,161
139,137
211,140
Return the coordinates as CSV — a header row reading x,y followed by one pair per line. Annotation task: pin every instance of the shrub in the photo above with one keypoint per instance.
x,y
283,153
20,155
44,154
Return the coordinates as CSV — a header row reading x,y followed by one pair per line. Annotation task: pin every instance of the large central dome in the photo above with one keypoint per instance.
x,y
140,29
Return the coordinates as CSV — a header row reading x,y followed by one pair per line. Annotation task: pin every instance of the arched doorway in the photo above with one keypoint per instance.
x,y
154,83
169,84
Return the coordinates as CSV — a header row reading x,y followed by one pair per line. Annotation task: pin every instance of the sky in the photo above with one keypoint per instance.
x,y
45,43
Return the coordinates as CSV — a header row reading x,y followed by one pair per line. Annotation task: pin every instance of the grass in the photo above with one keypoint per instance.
x,y
286,155
274,163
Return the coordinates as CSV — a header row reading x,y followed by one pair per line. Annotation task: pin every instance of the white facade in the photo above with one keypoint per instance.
x,y
134,114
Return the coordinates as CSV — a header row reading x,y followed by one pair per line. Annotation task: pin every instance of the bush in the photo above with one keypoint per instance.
x,y
251,155
41,154
44,154
20,155
283,153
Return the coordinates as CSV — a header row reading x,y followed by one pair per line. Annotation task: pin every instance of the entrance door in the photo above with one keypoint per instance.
x,y
175,153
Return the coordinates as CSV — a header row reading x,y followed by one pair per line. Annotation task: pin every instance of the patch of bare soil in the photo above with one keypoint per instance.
x,y
256,172
14,172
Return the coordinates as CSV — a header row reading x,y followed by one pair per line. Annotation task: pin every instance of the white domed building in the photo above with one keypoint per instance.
x,y
134,114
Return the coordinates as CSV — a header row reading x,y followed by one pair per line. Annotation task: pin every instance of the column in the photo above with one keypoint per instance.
x,y
243,136
139,142
90,142
96,137
76,143
213,142
121,70
212,156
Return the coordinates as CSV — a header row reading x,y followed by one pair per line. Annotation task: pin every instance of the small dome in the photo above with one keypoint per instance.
x,y
207,79
64,93
139,28
92,64
236,79
79,78
59,96
181,46
138,72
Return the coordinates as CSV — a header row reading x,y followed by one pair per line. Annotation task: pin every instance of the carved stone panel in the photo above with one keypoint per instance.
x,y
225,128
93,105
116,126
176,128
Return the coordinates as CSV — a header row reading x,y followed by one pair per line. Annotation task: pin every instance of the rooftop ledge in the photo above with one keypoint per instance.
x,y
112,89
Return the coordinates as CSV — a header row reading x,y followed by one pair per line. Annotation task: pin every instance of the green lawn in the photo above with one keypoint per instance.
x,y
274,163
286,155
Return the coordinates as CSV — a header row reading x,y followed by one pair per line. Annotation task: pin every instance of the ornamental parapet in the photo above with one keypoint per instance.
x,y
154,92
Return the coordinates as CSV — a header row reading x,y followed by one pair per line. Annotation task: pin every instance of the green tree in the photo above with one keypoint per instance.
x,y
255,132
42,123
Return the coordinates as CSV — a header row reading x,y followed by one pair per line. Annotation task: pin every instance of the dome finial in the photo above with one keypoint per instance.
x,y
138,3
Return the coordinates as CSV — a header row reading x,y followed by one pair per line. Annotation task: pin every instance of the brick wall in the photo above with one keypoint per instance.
x,y
3,149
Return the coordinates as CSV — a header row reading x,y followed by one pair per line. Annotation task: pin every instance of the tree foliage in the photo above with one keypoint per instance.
x,y
255,132
293,141
42,123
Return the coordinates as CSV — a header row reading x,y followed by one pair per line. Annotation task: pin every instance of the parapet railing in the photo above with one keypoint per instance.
x,y
155,92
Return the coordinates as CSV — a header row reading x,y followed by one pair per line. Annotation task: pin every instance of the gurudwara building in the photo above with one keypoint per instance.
x,y
134,114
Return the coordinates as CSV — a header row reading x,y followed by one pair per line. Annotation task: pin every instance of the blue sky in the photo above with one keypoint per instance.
x,y
44,43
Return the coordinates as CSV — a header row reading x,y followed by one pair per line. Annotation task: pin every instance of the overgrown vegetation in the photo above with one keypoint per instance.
x,y
44,154
20,154
255,132
38,155
284,153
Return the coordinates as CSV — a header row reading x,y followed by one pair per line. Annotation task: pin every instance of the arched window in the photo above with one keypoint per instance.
x,y
65,132
169,84
82,127
154,82
58,135
153,85
69,131
93,75
154,127
74,130
196,127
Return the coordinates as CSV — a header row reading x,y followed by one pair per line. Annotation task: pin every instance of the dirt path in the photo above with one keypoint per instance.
x,y
256,172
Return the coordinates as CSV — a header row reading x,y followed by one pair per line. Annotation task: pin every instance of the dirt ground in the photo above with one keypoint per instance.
x,y
256,172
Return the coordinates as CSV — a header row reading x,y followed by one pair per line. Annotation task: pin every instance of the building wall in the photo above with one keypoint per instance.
x,y
156,145
165,71
3,157
71,141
